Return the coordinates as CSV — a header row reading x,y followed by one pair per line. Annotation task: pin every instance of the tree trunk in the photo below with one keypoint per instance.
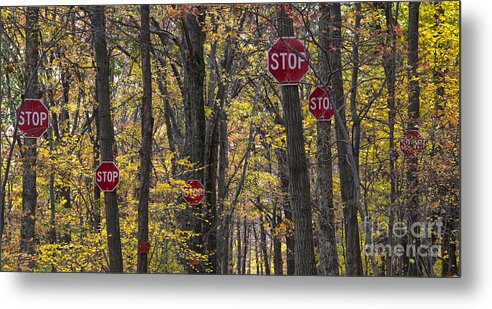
x,y
245,246
278,264
194,78
356,121
284,187
107,135
210,215
263,244
257,249
96,221
389,63
29,155
353,261
147,123
239,247
223,217
328,260
298,169
412,196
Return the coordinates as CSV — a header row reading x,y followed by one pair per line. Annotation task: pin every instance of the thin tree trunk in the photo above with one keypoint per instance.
x,y
96,223
353,94
257,249
211,160
239,247
328,260
298,169
245,245
389,62
147,123
412,198
278,264
284,187
263,244
107,135
223,219
210,216
353,258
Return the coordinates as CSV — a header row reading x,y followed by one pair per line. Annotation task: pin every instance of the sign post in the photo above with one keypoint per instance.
x,y
194,192
287,60
413,144
33,118
319,105
107,176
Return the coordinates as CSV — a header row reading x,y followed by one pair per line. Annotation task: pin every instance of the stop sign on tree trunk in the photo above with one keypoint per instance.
x,y
413,144
33,118
319,104
287,60
194,192
107,176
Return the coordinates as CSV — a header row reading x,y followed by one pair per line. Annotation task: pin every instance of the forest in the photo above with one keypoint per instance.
x,y
175,139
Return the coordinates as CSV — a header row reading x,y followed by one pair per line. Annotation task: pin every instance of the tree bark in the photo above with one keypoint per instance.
x,y
389,63
353,261
210,215
96,220
284,187
29,154
298,169
328,260
263,243
194,78
278,264
412,195
223,217
245,245
147,124
239,247
107,135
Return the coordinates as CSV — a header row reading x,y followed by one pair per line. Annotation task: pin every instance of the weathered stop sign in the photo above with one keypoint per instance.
x,y
194,192
144,248
413,144
107,176
33,118
287,60
319,104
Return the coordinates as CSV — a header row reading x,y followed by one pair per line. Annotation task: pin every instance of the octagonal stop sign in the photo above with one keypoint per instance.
x,y
107,176
287,60
319,104
194,192
33,118
413,144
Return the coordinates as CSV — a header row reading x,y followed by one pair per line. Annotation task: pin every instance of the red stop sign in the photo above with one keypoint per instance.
x,y
194,192
107,176
144,248
33,118
319,105
287,60
413,144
